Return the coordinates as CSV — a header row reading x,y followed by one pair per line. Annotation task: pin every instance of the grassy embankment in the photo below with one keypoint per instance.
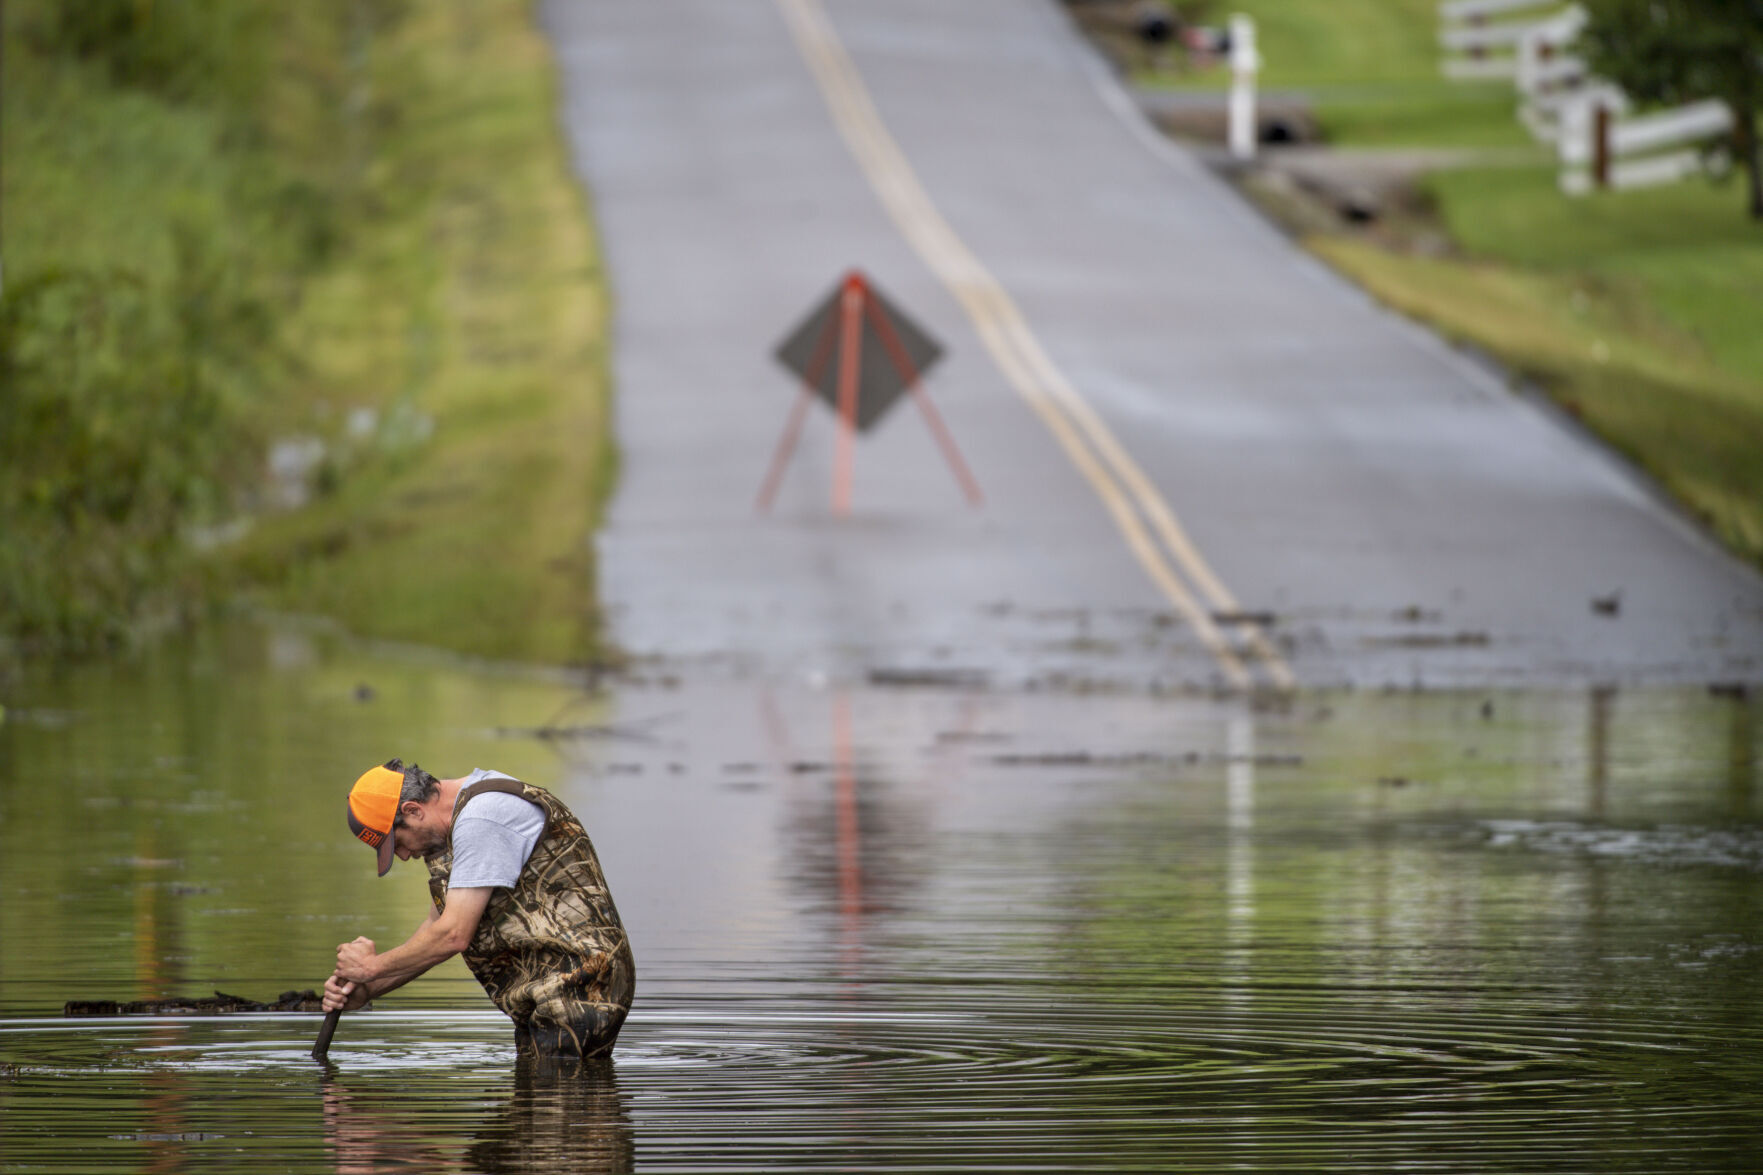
x,y
372,202
1637,311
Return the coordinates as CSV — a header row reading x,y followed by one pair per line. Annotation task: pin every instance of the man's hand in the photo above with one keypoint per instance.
x,y
363,973
355,960
341,993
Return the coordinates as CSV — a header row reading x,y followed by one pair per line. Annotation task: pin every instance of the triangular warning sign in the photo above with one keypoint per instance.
x,y
891,350
857,353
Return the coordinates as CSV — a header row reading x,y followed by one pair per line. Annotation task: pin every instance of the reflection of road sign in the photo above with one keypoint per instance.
x,y
857,352
892,351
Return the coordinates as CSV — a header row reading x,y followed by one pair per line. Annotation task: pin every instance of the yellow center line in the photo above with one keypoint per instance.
x,y
1103,462
1154,506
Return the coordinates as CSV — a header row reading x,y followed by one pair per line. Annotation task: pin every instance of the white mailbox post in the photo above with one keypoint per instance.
x,y
1244,62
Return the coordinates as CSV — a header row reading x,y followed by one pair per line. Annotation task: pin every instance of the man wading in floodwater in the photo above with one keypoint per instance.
x,y
516,886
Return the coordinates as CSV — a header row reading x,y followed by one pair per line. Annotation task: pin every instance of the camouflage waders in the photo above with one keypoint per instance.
x,y
550,951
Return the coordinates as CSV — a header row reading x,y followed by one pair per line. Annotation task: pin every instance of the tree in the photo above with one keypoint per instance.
x,y
1676,51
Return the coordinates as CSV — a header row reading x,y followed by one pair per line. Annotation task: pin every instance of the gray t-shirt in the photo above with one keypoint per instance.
x,y
493,836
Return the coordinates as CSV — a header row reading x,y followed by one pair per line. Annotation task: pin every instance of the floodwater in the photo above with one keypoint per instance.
x,y
890,929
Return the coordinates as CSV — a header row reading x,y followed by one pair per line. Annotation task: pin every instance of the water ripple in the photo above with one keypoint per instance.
x,y
1740,847
964,1076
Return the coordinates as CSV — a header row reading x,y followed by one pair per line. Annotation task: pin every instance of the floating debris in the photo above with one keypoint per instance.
x,y
1260,760
580,731
219,1004
1432,640
1265,619
1139,759
947,678
1076,759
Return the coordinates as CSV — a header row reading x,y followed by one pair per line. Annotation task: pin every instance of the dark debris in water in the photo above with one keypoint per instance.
x,y
1431,640
908,677
217,1005
1259,619
578,731
1138,759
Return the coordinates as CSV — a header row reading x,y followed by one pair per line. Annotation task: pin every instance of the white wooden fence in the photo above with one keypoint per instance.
x,y
1549,75
1561,102
1481,37
1599,149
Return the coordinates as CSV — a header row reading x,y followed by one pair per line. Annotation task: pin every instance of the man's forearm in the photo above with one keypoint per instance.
x,y
438,939
380,985
398,966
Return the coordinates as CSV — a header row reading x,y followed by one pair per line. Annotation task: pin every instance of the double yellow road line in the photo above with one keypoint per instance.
x,y
1145,520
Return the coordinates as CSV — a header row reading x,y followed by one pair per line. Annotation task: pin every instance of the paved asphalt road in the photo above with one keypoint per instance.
x,y
1206,460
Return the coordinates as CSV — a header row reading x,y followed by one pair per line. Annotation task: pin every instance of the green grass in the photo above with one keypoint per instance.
x,y
478,308
162,163
1646,335
1437,113
323,211
1358,42
1370,69
145,249
1685,250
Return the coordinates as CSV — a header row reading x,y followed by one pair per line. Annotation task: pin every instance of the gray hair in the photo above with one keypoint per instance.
x,y
419,785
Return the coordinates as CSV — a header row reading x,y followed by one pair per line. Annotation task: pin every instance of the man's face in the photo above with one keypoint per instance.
x,y
416,835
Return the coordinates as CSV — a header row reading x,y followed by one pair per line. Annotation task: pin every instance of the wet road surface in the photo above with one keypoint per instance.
x,y
1206,461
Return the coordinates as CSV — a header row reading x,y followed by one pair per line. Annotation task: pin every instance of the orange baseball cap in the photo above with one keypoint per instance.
x,y
373,808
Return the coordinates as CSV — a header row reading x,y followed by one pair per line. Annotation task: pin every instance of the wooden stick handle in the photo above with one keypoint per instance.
x,y
324,1034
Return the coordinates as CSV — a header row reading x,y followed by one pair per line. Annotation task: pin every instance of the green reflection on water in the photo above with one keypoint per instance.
x,y
177,823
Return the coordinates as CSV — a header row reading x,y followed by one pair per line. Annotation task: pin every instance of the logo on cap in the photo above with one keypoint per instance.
x,y
373,810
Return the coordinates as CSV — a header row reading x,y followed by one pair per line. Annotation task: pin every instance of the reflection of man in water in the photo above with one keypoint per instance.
x,y
515,886
563,1117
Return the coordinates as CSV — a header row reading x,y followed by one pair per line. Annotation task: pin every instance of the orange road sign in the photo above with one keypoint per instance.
x,y
858,354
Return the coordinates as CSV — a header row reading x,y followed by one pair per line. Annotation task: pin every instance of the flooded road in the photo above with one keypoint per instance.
x,y
901,928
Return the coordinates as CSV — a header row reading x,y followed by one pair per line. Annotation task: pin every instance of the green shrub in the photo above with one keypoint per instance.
x,y
180,49
124,423
163,215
